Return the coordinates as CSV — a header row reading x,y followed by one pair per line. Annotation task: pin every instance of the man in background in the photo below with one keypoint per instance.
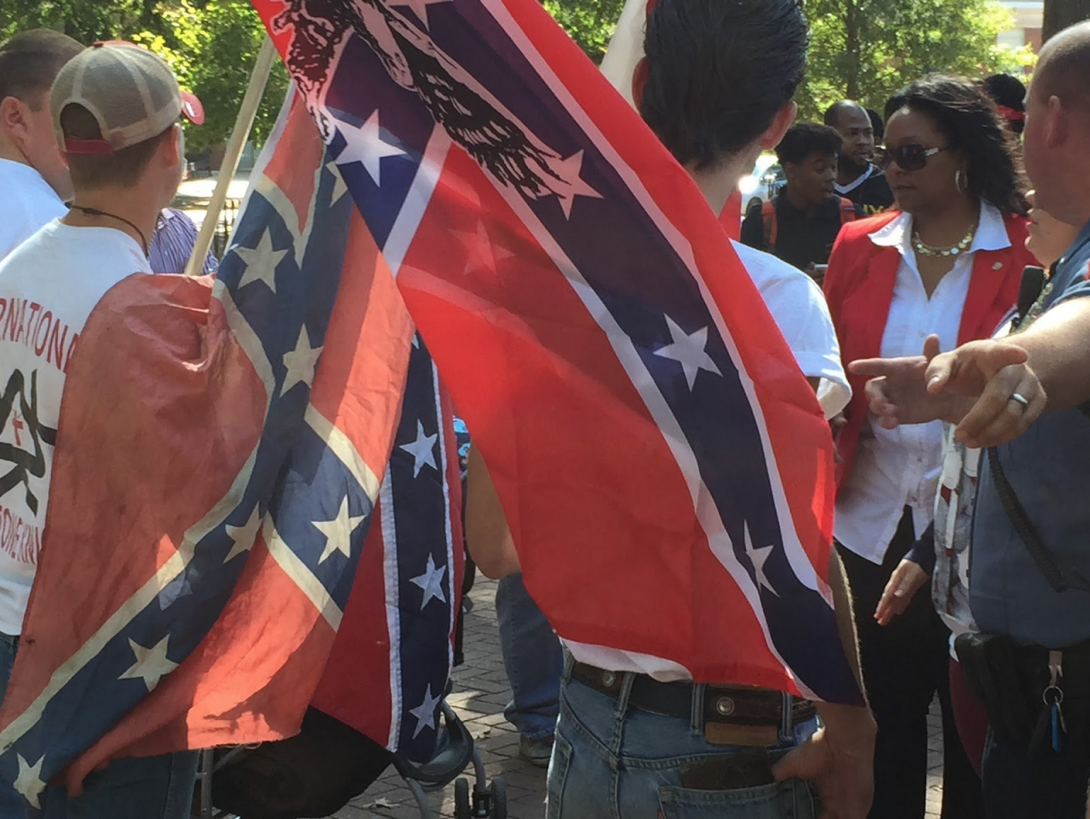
x,y
801,223
857,178
33,177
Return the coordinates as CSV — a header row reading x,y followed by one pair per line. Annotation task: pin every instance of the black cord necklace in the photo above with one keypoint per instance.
x,y
97,212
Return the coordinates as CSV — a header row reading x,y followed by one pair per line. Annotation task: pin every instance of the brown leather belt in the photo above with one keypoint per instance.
x,y
733,715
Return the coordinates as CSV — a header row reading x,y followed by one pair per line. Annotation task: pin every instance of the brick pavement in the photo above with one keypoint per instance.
x,y
480,694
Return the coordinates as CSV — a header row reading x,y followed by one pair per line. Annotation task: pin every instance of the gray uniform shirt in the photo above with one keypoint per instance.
x,y
1049,469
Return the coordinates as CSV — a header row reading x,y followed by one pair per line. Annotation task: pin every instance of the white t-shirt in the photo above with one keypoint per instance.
x,y
48,287
799,309
26,204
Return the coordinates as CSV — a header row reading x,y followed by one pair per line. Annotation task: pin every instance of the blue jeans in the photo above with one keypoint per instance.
x,y
532,657
157,787
613,760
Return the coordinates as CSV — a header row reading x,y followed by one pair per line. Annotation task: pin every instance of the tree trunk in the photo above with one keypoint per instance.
x,y
1059,14
851,48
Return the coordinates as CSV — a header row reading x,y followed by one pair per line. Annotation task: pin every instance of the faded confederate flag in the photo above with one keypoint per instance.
x,y
219,454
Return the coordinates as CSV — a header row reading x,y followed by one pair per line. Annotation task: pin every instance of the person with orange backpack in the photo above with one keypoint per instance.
x,y
800,224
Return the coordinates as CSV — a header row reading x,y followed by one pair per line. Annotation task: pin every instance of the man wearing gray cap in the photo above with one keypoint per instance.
x,y
115,109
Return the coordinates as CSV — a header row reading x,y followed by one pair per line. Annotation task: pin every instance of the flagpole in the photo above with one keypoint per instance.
x,y
626,48
233,152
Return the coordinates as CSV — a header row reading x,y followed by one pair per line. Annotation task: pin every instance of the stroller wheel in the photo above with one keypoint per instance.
x,y
462,808
498,789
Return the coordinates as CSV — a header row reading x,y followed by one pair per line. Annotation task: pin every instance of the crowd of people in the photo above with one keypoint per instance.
x,y
929,297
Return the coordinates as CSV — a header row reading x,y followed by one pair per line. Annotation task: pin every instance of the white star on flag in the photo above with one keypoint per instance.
x,y
431,582
243,536
758,557
422,449
483,254
151,663
569,171
688,350
420,7
300,362
425,712
29,781
365,145
261,262
339,188
338,532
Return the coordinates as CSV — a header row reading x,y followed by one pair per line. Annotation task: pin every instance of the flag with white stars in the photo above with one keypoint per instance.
x,y
394,651
219,455
664,466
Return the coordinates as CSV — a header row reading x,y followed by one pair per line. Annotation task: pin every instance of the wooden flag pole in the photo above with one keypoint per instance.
x,y
243,123
626,48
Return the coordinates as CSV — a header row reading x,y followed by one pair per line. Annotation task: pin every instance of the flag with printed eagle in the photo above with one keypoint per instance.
x,y
665,468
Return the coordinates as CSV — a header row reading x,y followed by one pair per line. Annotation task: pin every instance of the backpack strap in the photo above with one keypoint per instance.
x,y
771,224
847,210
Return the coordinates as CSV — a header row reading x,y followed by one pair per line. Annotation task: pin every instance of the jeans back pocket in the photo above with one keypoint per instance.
x,y
780,800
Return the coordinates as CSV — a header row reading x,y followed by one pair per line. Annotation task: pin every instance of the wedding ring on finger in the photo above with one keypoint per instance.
x,y
1018,398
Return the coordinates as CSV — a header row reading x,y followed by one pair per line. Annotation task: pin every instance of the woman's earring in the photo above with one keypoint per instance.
x,y
959,181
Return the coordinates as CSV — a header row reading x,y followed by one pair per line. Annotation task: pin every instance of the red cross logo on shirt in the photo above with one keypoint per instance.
x,y
17,424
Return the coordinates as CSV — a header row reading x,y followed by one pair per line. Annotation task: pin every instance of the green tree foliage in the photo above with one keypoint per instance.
x,y
861,49
589,22
212,48
867,49
210,44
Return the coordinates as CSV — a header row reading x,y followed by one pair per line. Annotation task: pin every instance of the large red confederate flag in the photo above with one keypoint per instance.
x,y
665,468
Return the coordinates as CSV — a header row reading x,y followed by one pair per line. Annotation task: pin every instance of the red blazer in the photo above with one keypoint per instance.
x,y
859,288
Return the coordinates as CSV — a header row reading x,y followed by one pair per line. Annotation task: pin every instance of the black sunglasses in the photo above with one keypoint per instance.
x,y
911,157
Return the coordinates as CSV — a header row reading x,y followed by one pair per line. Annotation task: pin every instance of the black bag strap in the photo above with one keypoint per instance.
x,y
1027,532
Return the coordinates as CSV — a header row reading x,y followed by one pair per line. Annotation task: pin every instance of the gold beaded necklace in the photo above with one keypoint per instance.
x,y
925,249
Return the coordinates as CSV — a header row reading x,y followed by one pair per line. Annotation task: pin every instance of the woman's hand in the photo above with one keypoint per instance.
x,y
907,579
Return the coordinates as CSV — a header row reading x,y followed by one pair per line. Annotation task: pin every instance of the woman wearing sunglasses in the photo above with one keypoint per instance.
x,y
947,260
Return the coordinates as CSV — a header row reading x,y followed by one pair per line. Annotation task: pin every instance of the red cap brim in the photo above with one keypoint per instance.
x,y
192,108
87,147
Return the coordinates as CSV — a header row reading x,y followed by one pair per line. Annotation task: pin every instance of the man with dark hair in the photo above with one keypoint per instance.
x,y
801,223
1025,398
115,112
33,177
637,738
857,178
